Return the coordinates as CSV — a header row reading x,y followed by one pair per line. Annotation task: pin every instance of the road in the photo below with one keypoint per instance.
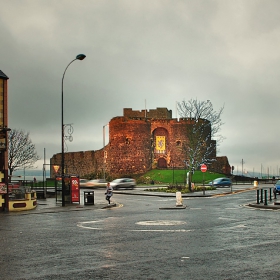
x,y
213,238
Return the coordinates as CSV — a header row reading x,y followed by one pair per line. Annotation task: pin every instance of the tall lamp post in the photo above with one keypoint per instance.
x,y
78,57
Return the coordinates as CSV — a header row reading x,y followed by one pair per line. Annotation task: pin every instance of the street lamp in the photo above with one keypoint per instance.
x,y
78,57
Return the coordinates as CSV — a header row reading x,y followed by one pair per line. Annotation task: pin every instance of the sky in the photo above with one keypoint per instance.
x,y
144,54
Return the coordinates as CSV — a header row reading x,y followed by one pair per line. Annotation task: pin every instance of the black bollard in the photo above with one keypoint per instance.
x,y
261,196
258,194
265,197
270,194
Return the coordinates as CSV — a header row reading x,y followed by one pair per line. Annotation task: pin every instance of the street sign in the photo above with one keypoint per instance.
x,y
56,168
203,168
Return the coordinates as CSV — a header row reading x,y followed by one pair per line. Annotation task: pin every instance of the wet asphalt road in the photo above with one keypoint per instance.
x,y
213,238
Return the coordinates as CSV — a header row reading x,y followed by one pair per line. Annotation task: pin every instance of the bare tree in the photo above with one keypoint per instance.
x,y
21,153
203,128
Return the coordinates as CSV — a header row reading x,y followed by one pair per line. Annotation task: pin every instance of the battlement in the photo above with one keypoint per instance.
x,y
158,113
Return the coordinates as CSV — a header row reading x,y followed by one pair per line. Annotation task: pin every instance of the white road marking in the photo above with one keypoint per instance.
x,y
161,223
240,226
93,225
88,224
225,218
163,230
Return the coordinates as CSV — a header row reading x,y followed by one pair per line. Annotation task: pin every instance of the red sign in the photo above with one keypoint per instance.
x,y
3,188
203,168
75,190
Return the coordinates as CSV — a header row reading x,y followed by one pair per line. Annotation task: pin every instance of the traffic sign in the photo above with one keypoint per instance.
x,y
56,168
203,168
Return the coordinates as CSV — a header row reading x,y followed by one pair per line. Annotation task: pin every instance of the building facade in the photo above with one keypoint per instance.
x,y
138,142
4,197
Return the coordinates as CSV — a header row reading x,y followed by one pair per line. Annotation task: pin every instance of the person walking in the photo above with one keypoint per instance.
x,y
109,193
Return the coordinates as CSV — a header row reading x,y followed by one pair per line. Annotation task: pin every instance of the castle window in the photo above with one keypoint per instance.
x,y
127,140
178,143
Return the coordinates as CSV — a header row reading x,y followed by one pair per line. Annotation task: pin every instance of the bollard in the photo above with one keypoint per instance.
x,y
274,192
258,198
179,199
270,196
265,197
261,196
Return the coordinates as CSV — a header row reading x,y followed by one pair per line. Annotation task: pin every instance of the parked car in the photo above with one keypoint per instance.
x,y
126,183
96,183
222,182
83,182
277,187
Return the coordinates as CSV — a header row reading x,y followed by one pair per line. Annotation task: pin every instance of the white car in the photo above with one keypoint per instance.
x,y
125,183
83,182
96,183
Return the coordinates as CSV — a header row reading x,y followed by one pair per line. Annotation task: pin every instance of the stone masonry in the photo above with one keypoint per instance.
x,y
134,147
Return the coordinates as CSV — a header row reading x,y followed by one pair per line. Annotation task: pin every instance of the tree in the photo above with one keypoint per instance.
x,y
21,153
203,127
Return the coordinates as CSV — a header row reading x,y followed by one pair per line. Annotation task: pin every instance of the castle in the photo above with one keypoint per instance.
x,y
138,142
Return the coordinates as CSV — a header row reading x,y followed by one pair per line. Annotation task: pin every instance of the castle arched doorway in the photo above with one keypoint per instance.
x,y
162,163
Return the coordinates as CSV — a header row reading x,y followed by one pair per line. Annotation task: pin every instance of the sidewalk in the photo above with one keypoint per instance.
x,y
50,205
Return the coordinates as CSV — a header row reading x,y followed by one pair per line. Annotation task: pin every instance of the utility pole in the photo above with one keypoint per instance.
x,y
242,166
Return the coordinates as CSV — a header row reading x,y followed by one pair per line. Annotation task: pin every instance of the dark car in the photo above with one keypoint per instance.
x,y
126,183
222,182
277,187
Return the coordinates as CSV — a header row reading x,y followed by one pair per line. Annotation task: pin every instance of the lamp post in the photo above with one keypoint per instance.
x,y
78,57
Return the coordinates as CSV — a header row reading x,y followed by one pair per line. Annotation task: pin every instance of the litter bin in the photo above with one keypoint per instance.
x,y
88,198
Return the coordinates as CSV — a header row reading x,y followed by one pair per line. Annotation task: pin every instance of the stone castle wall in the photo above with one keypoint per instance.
x,y
159,113
132,146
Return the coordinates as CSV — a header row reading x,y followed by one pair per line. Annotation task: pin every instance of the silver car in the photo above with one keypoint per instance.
x,y
83,182
96,183
125,183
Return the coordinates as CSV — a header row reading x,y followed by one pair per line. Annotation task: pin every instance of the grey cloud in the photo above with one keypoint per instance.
x,y
161,52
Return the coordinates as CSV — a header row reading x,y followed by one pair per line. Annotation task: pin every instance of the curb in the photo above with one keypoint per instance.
x,y
174,208
109,206
261,206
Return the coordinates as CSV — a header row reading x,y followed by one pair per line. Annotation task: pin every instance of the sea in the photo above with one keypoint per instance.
x,y
29,175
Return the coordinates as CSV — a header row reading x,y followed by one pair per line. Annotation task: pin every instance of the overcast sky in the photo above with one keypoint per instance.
x,y
141,52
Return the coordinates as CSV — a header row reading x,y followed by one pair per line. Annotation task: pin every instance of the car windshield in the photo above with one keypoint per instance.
x,y
217,180
116,180
278,182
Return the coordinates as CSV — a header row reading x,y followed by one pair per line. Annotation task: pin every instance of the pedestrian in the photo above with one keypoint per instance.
x,y
109,193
